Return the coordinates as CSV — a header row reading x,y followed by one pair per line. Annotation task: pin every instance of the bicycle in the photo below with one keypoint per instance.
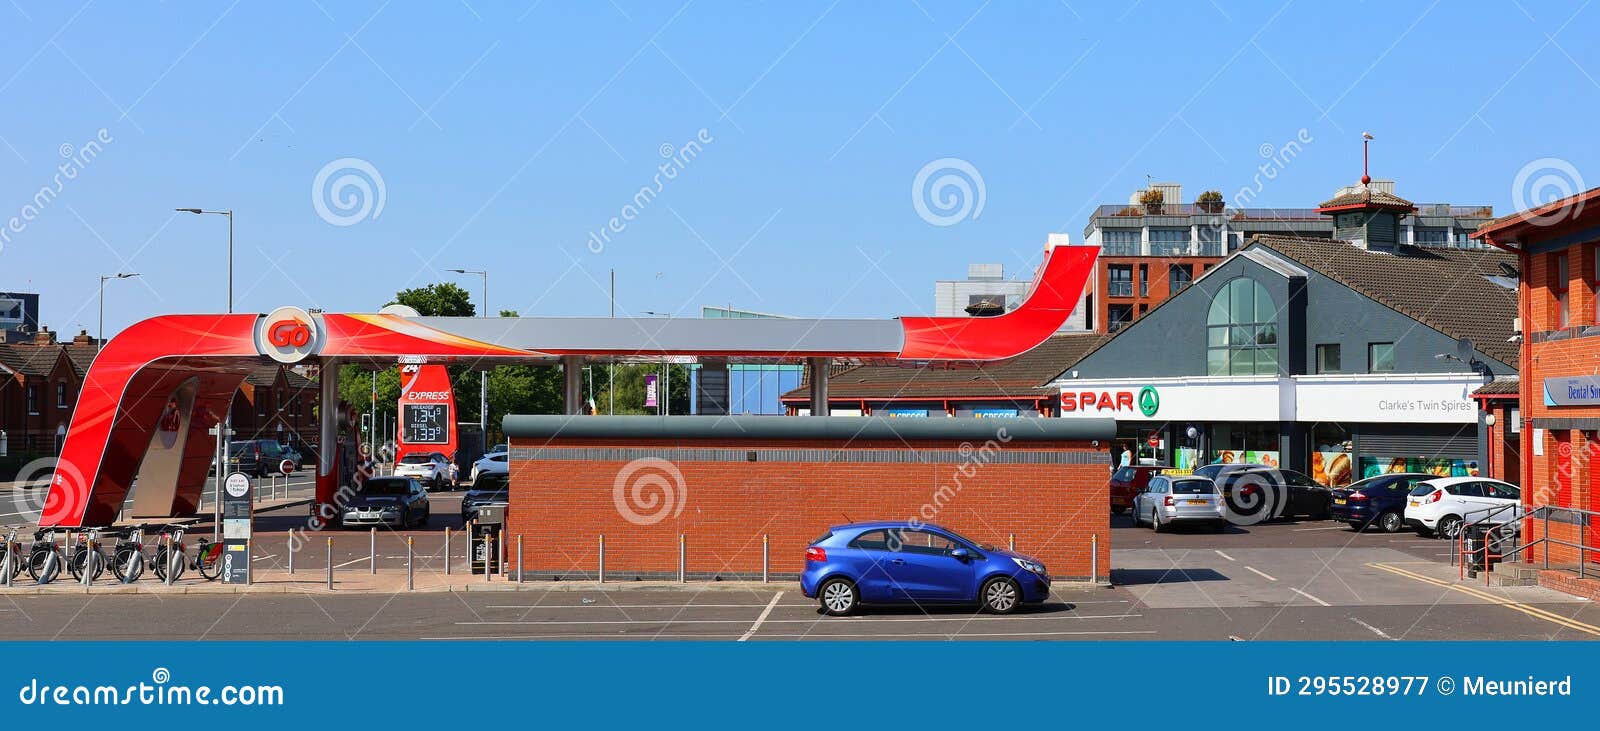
x,y
207,559
44,557
11,562
87,559
128,558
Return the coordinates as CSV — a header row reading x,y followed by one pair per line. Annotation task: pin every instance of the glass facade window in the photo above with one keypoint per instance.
x,y
1380,357
1118,317
1169,242
1328,358
1120,280
1144,280
1178,277
1242,330
1210,240
1120,242
1559,287
1432,236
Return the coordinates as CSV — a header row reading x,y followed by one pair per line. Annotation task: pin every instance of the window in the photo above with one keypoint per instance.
x,y
1594,281
1328,358
1120,280
1178,277
1169,242
61,395
920,541
1144,280
875,540
1380,357
1559,287
1432,236
1118,317
1463,240
1120,242
1242,330
1210,243
33,399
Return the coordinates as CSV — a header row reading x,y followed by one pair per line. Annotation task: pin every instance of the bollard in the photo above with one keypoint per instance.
x,y
682,565
88,560
766,553
488,571
519,558
171,562
289,546
330,563
1013,541
8,566
447,550
249,573
411,571
602,558
1094,558
500,550
372,548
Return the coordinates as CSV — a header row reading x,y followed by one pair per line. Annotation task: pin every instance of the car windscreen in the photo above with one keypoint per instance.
x,y
1124,474
1193,487
386,487
236,448
415,459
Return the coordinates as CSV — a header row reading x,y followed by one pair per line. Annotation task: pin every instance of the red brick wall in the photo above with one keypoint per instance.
x,y
561,507
1159,283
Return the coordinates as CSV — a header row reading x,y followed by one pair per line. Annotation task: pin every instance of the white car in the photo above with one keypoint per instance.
x,y
491,463
432,469
1444,504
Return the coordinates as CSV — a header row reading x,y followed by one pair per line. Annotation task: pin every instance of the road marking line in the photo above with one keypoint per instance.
x,y
946,635
598,605
1257,572
812,620
1492,599
363,559
762,618
1375,630
1224,555
266,557
1337,527
1308,596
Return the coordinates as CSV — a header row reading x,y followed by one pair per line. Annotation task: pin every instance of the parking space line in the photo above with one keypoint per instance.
x,y
1336,527
715,635
1486,596
810,620
1224,555
1375,630
1308,596
764,614
634,606
1258,572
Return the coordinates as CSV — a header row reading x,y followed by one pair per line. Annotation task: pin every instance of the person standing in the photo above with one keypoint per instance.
x,y
1127,456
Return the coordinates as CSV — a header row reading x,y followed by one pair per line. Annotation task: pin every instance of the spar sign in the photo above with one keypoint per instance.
x,y
1146,402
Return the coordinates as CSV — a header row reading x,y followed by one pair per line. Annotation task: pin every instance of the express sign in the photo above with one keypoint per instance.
x,y
288,335
1146,401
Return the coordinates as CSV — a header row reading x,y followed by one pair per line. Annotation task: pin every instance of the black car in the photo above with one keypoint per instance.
x,y
1376,501
1249,489
490,487
257,457
397,502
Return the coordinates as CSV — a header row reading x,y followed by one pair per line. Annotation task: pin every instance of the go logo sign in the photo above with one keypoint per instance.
x,y
288,335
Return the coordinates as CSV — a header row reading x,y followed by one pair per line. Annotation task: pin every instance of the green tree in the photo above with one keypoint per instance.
x,y
438,300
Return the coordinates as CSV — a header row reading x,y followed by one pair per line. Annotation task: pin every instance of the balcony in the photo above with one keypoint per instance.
x,y
1119,289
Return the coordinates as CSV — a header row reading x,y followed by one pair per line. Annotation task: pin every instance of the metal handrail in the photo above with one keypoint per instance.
x,y
1540,512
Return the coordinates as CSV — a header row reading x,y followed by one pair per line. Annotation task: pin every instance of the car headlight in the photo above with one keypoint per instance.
x,y
1037,568
391,509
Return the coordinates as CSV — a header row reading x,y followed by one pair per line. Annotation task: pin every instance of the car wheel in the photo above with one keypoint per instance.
x,y
1001,595
1449,527
1155,521
1390,522
838,597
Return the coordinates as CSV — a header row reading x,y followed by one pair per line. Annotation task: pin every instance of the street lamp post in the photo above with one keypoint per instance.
x,y
100,336
483,378
225,426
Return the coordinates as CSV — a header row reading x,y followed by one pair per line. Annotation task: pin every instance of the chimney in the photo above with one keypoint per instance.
x,y
82,338
44,336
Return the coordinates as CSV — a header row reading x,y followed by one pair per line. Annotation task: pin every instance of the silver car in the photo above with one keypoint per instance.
x,y
1179,499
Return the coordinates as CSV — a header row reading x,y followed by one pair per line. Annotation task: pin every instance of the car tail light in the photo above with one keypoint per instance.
x,y
1358,496
816,554
1433,497
1247,491
1168,501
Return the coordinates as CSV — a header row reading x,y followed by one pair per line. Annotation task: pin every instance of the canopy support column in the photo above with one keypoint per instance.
x,y
819,385
572,384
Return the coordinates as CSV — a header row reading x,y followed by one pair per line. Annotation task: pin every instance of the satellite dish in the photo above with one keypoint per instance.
x,y
399,311
1464,349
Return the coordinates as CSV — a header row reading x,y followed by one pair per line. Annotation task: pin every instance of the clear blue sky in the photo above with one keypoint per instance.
x,y
505,133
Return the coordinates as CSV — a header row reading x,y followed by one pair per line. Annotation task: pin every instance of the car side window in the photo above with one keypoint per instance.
x,y
920,541
872,540
1504,492
1469,489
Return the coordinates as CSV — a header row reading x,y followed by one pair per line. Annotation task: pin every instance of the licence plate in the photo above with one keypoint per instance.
x,y
1340,501
1414,503
1197,502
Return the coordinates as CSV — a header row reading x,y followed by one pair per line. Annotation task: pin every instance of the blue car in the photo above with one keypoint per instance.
x,y
1376,501
897,563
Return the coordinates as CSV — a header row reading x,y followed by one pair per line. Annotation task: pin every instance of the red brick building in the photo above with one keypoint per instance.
x,y
727,486
1558,250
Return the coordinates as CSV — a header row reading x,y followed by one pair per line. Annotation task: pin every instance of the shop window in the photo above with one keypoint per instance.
x,y
1242,330
1331,447
1380,357
1559,289
1178,277
1120,280
1328,358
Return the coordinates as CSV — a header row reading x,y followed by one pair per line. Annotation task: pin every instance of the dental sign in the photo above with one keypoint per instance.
x,y
288,335
1573,391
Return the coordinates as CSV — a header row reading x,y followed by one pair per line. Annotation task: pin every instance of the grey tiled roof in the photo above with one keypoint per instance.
x,y
1500,387
1022,377
1366,194
1445,289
